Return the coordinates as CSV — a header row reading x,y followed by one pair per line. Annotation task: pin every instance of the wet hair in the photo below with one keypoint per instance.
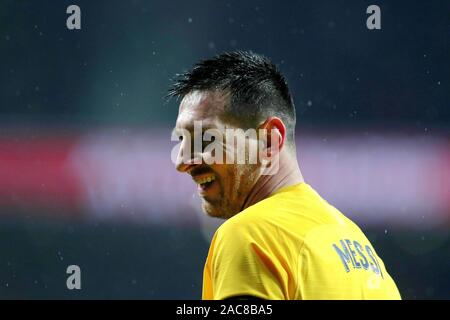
x,y
257,88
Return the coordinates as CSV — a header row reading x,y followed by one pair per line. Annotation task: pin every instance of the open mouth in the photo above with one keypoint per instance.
x,y
205,181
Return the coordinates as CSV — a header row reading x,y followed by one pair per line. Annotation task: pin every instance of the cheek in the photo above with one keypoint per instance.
x,y
235,180
241,179
227,176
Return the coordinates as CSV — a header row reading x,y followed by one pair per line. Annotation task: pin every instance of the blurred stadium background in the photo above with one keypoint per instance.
x,y
85,170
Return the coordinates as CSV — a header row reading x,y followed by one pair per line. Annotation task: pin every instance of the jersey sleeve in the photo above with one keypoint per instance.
x,y
242,265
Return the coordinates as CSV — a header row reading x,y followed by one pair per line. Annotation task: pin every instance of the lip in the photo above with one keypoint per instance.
x,y
202,176
204,189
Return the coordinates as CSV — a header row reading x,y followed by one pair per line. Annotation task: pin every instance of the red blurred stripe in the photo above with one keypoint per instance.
x,y
35,173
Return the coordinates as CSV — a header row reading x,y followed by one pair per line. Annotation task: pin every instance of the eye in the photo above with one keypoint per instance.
x,y
180,138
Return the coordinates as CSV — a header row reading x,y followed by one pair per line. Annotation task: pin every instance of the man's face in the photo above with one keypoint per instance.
x,y
224,187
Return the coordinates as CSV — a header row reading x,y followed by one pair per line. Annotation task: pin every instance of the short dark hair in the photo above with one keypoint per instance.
x,y
256,86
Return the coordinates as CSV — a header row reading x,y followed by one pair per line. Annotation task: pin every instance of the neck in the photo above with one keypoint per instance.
x,y
288,174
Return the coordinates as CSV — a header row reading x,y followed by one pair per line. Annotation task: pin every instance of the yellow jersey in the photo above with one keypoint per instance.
x,y
294,245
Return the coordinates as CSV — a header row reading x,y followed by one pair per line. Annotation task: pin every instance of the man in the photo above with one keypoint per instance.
x,y
281,240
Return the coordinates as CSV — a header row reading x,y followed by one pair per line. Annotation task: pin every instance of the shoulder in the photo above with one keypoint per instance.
x,y
252,223
293,215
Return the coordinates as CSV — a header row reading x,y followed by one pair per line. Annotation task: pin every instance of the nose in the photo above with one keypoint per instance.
x,y
187,159
185,167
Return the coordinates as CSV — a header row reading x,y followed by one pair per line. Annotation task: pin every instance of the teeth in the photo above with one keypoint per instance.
x,y
206,179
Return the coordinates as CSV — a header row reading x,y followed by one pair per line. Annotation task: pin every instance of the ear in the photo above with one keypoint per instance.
x,y
275,134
